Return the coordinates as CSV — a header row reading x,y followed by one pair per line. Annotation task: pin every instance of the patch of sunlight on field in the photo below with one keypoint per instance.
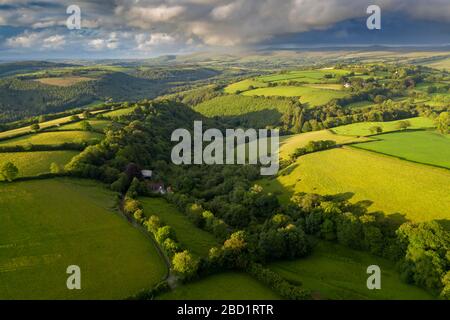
x,y
335,272
190,237
53,138
311,96
244,85
224,286
37,162
48,225
363,128
63,81
394,186
427,147
289,144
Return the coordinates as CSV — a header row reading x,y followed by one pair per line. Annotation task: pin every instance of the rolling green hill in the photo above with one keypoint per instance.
x,y
394,186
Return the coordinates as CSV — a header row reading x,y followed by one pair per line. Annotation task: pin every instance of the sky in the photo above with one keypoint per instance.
x,y
128,29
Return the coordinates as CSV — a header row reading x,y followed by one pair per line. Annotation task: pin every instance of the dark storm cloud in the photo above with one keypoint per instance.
x,y
173,25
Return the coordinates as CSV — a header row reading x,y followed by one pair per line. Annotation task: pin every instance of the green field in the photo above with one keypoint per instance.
x,y
119,112
363,128
394,186
98,125
43,125
47,225
38,162
225,286
244,85
53,138
308,95
306,76
335,272
427,147
257,112
196,240
288,144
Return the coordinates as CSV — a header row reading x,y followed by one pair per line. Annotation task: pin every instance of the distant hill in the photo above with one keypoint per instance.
x,y
12,68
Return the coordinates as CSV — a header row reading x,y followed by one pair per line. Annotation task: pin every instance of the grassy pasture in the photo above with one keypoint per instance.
x,y
225,286
312,96
427,147
394,186
38,162
53,138
119,112
363,128
196,240
98,125
306,76
288,144
256,112
63,81
335,272
47,225
43,125
244,85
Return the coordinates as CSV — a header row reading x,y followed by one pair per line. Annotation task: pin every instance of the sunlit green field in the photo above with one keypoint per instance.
x,y
311,96
47,225
98,125
119,112
38,162
53,138
190,237
335,272
394,186
427,147
363,128
43,125
225,286
244,85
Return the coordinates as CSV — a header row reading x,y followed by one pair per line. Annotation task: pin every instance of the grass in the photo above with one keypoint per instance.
x,y
363,128
98,125
43,125
427,147
289,144
119,112
63,81
312,96
335,272
196,240
255,112
53,138
47,225
225,286
306,76
38,162
244,86
394,186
